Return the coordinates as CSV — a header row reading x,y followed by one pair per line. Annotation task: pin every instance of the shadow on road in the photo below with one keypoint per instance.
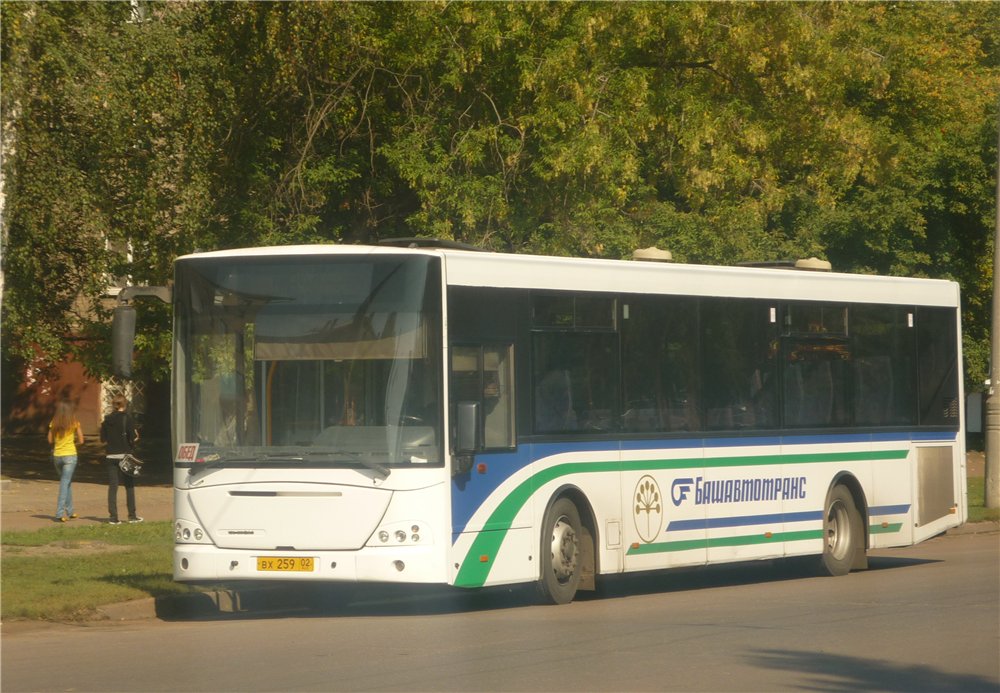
x,y
827,672
270,600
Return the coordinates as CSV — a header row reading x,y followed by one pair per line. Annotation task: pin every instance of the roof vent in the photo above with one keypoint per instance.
x,y
428,243
652,254
814,264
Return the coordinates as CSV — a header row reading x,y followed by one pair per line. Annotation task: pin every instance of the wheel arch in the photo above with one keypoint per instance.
x,y
588,523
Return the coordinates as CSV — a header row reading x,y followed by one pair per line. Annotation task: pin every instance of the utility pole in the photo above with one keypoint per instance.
x,y
993,396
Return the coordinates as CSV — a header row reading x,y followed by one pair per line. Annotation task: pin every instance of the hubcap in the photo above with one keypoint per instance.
x,y
838,533
564,550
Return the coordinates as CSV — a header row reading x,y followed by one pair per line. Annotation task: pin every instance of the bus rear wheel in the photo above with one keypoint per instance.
x,y
560,552
842,532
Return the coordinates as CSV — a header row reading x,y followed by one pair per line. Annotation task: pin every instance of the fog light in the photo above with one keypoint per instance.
x,y
400,535
383,536
198,534
415,538
177,535
415,529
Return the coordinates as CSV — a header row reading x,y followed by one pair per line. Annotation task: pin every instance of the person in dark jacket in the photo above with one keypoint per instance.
x,y
119,433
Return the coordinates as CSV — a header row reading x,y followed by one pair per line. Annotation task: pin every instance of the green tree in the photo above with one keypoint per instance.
x,y
726,132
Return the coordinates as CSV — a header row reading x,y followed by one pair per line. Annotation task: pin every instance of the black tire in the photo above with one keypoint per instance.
x,y
560,552
842,532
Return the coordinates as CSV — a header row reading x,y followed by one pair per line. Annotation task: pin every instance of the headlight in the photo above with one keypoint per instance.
x,y
400,533
187,532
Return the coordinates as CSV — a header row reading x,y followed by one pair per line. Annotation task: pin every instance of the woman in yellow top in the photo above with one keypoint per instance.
x,y
64,435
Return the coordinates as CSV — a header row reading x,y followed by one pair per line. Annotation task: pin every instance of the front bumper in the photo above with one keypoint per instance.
x,y
406,564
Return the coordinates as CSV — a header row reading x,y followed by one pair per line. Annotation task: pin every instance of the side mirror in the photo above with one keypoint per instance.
x,y
123,325
467,428
466,435
122,340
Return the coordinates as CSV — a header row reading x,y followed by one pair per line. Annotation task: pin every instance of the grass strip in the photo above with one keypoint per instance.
x,y
978,512
67,572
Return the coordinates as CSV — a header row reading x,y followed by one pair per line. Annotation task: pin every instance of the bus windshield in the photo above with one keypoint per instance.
x,y
309,360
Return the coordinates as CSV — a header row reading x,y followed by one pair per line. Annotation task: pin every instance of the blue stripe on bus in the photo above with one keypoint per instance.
x,y
743,521
668,444
741,442
889,510
749,520
934,436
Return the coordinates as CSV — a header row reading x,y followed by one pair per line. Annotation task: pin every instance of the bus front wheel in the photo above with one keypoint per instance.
x,y
560,552
842,528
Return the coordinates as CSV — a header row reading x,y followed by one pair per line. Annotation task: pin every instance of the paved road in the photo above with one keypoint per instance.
x,y
925,618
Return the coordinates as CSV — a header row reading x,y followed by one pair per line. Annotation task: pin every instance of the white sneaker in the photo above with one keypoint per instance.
x,y
134,520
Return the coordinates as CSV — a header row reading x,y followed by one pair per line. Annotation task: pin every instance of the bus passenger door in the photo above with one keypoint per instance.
x,y
493,539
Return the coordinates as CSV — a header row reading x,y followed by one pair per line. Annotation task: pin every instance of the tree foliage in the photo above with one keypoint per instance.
x,y
860,132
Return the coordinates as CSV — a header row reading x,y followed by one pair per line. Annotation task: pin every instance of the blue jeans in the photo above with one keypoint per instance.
x,y
65,466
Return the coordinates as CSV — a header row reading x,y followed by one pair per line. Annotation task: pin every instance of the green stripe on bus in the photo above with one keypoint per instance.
x,y
888,529
479,559
716,542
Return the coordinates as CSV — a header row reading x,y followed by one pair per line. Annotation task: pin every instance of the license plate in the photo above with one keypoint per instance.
x,y
299,564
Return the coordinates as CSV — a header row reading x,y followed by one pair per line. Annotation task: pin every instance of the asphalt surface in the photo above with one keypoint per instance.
x,y
922,619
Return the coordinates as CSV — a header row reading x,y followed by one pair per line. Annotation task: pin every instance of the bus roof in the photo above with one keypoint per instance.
x,y
550,273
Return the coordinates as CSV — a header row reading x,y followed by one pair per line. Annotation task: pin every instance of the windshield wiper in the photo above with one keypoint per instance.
x,y
380,469
217,460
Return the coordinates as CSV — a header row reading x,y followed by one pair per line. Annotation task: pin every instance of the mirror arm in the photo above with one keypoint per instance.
x,y
463,464
125,296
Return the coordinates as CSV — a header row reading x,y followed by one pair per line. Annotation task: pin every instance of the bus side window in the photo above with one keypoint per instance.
x,y
575,381
739,364
554,402
498,396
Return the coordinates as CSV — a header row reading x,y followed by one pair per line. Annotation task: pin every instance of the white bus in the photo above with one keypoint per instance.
x,y
423,413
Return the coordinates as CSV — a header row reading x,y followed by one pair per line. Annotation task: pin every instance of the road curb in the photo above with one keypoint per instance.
x,y
194,605
975,528
171,606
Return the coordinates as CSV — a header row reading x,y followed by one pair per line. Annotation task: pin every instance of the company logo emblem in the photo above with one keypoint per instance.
x,y
680,489
648,509
712,491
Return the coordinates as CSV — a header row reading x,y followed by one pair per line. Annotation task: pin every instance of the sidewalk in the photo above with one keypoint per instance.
x,y
30,504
